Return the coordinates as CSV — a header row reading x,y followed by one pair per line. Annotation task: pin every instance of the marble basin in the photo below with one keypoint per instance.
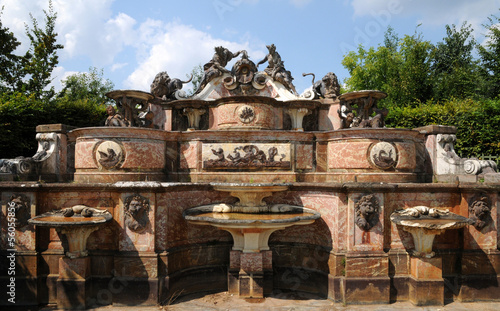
x,y
424,224
251,231
250,222
77,223
250,195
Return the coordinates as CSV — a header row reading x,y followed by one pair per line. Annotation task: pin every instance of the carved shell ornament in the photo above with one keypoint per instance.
x,y
246,114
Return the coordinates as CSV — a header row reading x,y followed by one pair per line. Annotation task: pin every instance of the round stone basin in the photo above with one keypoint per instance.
x,y
77,228
251,231
435,223
295,215
55,221
250,195
424,224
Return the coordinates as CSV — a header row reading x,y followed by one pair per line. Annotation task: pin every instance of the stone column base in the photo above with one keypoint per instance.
x,y
426,292
73,286
363,290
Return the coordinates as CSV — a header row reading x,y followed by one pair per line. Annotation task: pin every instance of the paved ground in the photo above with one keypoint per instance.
x,y
224,301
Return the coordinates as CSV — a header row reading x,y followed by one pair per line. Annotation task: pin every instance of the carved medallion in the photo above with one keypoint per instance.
x,y
109,155
383,155
367,211
246,114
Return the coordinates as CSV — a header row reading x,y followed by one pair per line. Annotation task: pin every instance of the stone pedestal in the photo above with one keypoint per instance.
x,y
73,286
250,275
366,278
426,285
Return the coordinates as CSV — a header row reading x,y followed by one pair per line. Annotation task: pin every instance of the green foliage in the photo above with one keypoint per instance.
x,y
90,86
9,62
477,122
454,71
490,56
399,68
41,59
20,114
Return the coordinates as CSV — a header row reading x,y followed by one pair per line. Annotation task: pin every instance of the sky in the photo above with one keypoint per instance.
x,y
131,41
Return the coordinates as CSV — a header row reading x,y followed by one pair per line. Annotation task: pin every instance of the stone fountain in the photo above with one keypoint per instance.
x,y
76,223
248,187
250,222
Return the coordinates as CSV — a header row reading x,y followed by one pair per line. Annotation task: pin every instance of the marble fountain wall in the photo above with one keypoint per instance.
x,y
248,127
165,257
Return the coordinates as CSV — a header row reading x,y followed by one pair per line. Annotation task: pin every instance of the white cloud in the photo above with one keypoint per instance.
x,y
177,49
89,29
118,66
58,75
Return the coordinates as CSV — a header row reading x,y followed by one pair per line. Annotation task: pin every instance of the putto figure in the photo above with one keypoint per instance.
x,y
216,67
115,119
276,68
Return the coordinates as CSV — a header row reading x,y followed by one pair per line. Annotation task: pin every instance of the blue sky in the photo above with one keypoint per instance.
x,y
133,40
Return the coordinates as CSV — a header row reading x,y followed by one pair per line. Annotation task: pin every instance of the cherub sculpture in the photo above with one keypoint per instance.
x,y
216,67
276,68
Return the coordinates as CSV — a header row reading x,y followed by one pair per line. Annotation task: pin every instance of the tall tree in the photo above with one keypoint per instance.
x,y
454,70
490,55
9,62
41,58
400,67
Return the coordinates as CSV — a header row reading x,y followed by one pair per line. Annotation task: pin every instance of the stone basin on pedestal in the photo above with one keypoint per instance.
x,y
424,224
426,284
77,227
250,222
76,223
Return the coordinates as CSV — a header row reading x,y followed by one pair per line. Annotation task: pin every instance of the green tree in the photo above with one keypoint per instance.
x,y
41,58
454,71
9,62
400,67
86,85
490,56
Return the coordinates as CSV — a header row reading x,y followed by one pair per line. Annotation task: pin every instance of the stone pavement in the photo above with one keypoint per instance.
x,y
225,301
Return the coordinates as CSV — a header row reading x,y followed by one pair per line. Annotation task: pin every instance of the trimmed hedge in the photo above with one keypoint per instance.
x,y
477,122
20,114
